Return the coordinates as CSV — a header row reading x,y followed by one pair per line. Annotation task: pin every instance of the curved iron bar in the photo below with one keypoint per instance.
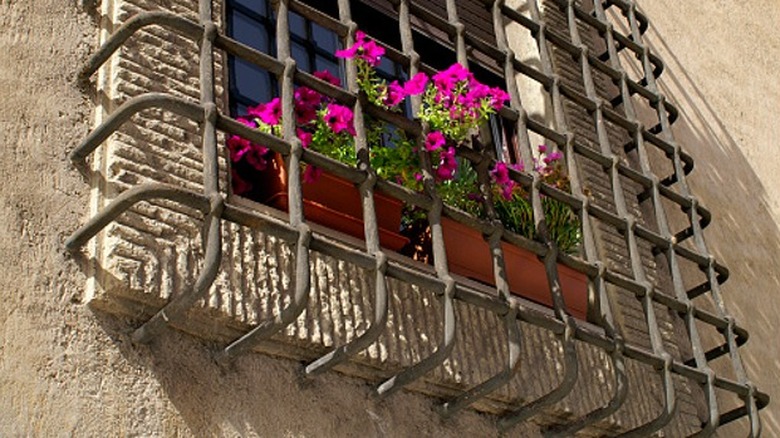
x,y
362,342
436,358
178,105
300,300
177,307
558,393
371,231
475,393
130,27
667,413
128,199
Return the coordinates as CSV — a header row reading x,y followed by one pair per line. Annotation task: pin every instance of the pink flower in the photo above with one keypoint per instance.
x,y
238,146
270,113
395,94
447,165
304,137
434,140
368,51
476,93
311,174
305,96
500,175
499,98
446,80
255,157
339,118
327,77
553,157
372,53
542,148
416,85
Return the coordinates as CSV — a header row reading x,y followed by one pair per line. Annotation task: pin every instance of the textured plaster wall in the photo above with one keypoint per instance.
x,y
722,60
66,369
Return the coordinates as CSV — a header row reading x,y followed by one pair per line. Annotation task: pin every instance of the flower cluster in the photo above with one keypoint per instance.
x,y
515,210
454,104
321,124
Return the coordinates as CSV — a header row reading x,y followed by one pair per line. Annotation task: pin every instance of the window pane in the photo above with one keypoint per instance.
x,y
301,56
386,67
324,38
331,66
249,32
251,81
297,25
257,6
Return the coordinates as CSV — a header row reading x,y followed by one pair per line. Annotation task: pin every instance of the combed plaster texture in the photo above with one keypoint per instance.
x,y
69,368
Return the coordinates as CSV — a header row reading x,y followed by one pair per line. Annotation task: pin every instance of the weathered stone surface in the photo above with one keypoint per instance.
x,y
69,368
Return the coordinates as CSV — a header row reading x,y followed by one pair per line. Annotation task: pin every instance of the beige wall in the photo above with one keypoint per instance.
x,y
722,60
67,369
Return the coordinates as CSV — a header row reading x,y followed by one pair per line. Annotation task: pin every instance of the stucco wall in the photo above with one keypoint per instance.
x,y
722,60
65,368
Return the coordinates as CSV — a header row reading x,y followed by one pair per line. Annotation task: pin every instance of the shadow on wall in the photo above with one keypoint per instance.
x,y
261,395
743,234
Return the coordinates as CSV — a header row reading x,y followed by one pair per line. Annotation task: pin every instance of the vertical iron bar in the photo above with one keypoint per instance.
x,y
369,220
212,235
447,343
301,274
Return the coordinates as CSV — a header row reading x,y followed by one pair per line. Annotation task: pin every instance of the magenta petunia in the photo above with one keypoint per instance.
x,y
542,148
270,113
474,96
553,157
499,98
447,165
255,157
367,50
434,140
339,118
416,85
395,94
448,79
238,147
311,174
304,137
327,77
500,174
372,53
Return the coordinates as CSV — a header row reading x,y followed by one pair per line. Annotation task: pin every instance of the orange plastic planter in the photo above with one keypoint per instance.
x,y
335,203
468,254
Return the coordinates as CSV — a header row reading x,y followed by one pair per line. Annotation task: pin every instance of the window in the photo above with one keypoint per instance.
x,y
630,258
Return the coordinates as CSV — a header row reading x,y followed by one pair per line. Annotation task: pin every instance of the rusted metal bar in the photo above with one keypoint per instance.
x,y
130,27
371,228
212,240
212,204
302,272
127,200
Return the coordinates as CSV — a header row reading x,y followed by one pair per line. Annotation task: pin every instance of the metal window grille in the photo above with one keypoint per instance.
x,y
630,165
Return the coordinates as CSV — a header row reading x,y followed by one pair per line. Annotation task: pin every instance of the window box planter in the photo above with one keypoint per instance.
x,y
468,254
334,202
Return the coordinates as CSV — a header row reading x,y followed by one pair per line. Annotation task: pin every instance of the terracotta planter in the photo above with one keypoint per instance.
x,y
468,254
334,203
